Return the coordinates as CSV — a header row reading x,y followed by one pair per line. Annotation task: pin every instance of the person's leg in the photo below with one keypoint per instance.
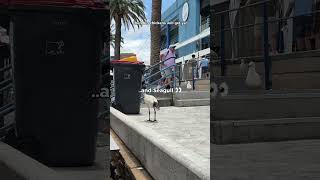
x,y
300,33
166,79
272,28
155,114
202,72
205,71
316,26
170,76
309,39
300,43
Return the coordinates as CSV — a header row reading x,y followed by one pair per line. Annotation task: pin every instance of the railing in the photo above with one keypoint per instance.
x,y
205,24
267,62
6,93
149,77
268,45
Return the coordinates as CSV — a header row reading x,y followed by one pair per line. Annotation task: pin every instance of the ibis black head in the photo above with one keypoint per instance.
x,y
156,105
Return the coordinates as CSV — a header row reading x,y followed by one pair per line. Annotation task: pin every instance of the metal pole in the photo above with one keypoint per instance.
x,y
192,77
168,36
267,62
223,67
2,57
180,68
174,77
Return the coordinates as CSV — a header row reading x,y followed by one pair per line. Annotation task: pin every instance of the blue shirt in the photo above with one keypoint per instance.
x,y
302,7
204,62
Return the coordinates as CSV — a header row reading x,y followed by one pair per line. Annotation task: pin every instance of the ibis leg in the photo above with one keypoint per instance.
x,y
155,114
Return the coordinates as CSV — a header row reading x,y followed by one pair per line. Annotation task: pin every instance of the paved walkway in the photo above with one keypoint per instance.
x,y
292,160
188,126
184,134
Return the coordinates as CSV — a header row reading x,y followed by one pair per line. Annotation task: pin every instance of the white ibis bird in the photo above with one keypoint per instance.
x,y
189,85
253,79
151,102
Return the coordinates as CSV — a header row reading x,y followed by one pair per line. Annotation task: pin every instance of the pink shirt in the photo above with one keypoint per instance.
x,y
171,56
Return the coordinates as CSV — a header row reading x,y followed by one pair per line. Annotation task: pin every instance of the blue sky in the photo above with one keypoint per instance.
x,y
138,41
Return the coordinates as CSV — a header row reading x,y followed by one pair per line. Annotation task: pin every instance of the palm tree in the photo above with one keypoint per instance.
x,y
112,36
155,30
130,13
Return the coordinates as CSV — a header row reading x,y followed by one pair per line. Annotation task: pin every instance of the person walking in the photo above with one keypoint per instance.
x,y
169,61
258,14
193,65
204,65
302,10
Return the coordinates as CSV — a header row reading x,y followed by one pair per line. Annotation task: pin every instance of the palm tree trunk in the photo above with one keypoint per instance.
x,y
117,38
155,30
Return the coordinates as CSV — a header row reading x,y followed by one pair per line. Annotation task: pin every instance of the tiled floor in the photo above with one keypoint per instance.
x,y
291,160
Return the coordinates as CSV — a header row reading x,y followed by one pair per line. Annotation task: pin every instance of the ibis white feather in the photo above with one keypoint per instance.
x,y
151,102
189,85
253,79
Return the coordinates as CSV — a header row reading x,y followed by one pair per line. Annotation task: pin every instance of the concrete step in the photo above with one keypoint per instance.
x,y
266,106
192,102
205,87
163,102
247,131
161,94
200,85
192,95
202,82
184,88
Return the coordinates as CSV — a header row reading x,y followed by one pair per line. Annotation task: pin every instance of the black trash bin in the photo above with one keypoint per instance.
x,y
127,86
56,52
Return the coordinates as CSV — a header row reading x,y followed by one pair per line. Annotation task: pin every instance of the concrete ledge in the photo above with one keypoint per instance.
x,y
131,162
245,131
163,158
15,165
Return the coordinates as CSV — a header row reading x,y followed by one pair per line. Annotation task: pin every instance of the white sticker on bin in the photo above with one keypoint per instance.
x,y
126,76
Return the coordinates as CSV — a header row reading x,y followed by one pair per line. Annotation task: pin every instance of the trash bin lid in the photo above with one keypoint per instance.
x,y
126,62
70,3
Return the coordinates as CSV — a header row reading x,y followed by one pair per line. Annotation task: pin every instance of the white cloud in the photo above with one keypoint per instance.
x,y
137,42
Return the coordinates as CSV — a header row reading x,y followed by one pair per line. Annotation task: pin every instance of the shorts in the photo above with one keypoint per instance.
x,y
204,69
168,72
303,25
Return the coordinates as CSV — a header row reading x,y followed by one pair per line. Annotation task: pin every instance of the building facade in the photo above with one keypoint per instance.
x,y
186,24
